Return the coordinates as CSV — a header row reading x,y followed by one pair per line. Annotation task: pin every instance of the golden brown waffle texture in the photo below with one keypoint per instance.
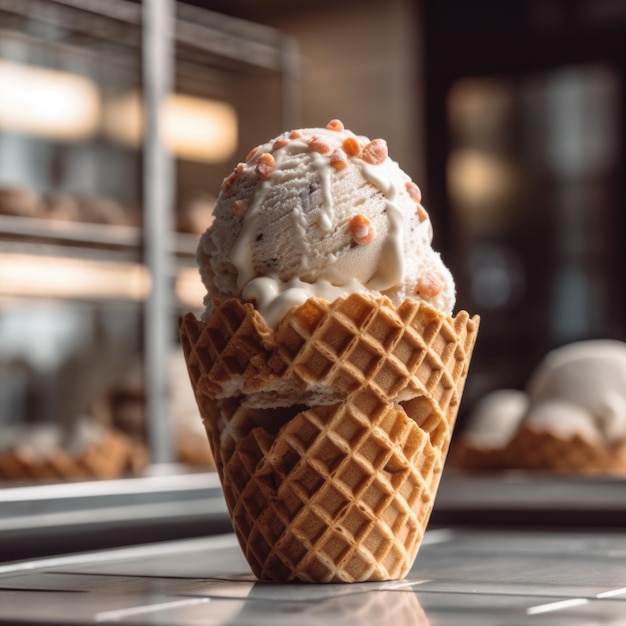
x,y
339,490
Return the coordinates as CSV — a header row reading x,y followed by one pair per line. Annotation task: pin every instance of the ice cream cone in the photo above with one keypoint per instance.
x,y
537,449
329,433
473,457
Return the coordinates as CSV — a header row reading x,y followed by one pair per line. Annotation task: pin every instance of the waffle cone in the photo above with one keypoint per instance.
x,y
533,448
329,433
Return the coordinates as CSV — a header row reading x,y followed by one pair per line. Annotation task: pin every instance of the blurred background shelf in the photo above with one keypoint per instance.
x,y
46,519
104,192
65,233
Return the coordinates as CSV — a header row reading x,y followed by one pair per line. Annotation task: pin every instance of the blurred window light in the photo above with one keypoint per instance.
x,y
48,103
194,128
56,277
189,288
476,178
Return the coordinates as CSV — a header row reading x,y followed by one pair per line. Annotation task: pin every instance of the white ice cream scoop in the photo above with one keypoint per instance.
x,y
581,387
320,212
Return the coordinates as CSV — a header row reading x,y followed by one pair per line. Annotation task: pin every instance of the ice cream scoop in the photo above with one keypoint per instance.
x,y
495,418
581,386
570,418
320,212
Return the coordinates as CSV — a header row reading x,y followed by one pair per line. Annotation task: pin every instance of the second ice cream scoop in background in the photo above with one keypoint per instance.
x,y
571,417
321,212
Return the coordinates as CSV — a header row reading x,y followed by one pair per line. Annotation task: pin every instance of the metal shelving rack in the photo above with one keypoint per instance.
x,y
170,37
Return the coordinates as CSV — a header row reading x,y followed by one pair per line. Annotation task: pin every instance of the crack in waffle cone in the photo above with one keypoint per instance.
x,y
338,484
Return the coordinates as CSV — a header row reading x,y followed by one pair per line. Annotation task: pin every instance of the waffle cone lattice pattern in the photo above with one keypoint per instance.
x,y
340,491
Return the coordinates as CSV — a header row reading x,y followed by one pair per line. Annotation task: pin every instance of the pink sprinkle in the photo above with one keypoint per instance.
x,y
375,152
335,125
362,229
252,153
319,145
351,147
240,207
228,182
339,159
428,285
265,165
280,143
421,213
414,191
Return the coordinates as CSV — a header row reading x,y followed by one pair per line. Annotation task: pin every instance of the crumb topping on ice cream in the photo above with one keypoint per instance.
x,y
320,212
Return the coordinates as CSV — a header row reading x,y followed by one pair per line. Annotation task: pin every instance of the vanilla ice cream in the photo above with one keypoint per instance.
x,y
495,418
581,388
320,212
570,417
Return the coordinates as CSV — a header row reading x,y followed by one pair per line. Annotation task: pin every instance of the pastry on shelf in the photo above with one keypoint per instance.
x,y
61,206
21,202
124,406
45,453
102,210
